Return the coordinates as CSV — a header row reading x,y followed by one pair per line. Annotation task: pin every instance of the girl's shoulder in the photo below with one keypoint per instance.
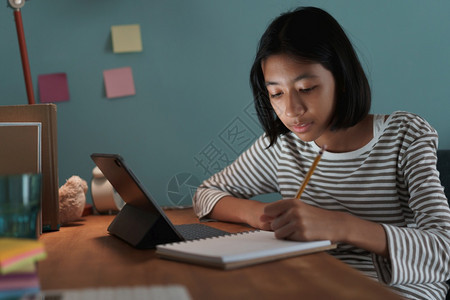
x,y
402,123
404,118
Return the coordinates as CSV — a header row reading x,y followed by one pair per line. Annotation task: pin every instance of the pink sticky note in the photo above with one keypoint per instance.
x,y
119,82
53,88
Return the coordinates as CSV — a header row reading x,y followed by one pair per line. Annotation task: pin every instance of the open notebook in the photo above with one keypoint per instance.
x,y
238,250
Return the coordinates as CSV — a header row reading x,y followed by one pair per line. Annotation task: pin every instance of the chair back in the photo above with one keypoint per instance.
x,y
443,166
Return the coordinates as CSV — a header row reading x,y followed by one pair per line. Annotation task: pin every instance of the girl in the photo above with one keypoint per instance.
x,y
376,191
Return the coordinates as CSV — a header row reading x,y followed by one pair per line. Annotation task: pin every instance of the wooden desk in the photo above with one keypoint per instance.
x,y
84,255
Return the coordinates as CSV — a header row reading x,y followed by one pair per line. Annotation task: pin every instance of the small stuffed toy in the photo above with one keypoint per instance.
x,y
72,199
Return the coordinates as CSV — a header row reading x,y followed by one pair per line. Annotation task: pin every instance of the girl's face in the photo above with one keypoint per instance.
x,y
302,95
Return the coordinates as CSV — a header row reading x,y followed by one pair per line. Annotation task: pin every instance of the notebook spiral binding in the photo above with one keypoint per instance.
x,y
231,234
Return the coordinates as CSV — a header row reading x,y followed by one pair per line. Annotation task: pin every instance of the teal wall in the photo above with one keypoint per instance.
x,y
191,113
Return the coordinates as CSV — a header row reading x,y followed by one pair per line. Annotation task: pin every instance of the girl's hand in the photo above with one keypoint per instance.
x,y
295,220
254,217
230,209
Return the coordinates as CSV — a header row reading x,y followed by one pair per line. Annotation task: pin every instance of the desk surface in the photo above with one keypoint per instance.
x,y
84,255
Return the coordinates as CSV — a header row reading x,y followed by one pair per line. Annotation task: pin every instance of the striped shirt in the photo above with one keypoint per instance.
x,y
392,180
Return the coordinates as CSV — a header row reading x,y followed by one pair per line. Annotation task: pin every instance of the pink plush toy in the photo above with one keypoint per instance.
x,y
72,199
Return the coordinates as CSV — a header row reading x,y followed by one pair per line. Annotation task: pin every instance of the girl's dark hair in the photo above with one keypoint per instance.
x,y
312,35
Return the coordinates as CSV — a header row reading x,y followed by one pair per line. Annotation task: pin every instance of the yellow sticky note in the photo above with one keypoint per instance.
x,y
126,38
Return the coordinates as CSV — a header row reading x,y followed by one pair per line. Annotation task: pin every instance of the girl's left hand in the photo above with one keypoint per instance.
x,y
295,220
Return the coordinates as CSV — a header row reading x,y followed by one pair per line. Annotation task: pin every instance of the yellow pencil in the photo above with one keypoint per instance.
x,y
310,172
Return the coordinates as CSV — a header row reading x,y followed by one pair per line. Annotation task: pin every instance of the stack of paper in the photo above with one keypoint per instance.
x,y
18,275
160,292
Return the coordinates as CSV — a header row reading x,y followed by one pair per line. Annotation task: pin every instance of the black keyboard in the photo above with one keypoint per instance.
x,y
196,231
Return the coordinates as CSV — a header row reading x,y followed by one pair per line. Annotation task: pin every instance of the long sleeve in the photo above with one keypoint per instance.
x,y
420,252
252,173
